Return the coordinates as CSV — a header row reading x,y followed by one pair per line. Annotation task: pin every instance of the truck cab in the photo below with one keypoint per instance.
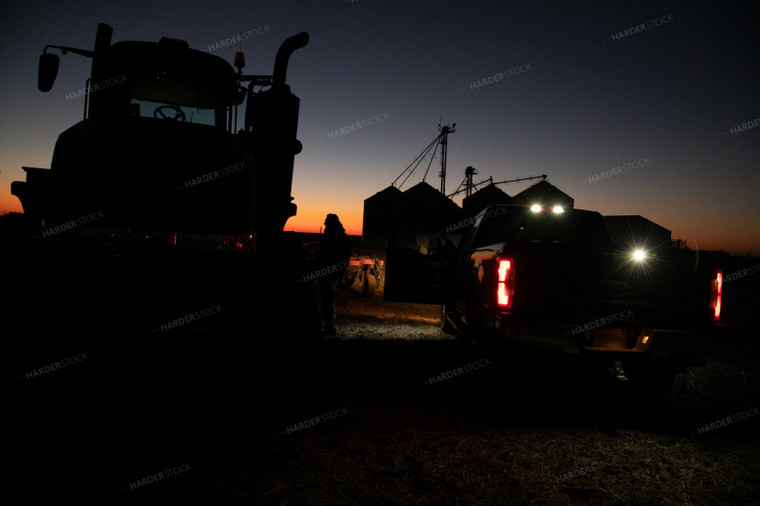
x,y
553,278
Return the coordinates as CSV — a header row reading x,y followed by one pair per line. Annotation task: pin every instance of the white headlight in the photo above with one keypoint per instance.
x,y
639,255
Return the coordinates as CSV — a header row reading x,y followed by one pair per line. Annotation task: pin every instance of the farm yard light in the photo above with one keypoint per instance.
x,y
639,255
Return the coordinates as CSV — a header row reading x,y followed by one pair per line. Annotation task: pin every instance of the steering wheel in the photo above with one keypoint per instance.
x,y
178,114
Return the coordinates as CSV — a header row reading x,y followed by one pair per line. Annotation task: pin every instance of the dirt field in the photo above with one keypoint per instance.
x,y
184,428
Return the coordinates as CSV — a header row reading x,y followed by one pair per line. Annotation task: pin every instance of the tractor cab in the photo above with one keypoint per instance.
x,y
159,148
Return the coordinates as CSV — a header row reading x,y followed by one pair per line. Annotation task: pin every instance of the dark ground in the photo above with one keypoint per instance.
x,y
498,435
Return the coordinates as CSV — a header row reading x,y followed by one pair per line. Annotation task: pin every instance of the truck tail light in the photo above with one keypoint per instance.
x,y
716,293
506,286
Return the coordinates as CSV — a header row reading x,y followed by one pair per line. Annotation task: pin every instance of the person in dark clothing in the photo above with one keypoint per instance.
x,y
334,256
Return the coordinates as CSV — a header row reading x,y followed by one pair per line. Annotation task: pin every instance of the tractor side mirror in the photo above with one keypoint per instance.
x,y
48,71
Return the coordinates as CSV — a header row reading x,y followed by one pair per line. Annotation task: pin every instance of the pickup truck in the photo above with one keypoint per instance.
x,y
558,279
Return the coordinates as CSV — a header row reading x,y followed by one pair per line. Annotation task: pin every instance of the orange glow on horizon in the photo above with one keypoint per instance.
x,y
311,221
10,204
302,222
311,216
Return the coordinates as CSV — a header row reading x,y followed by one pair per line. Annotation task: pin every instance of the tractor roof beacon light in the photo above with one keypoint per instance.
x,y
239,60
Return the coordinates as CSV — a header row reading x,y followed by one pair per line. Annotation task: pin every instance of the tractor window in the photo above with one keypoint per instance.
x,y
183,100
167,111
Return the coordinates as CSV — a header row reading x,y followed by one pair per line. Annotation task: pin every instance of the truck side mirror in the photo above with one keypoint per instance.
x,y
48,71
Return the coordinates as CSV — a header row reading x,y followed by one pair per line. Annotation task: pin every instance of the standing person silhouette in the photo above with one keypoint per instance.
x,y
334,255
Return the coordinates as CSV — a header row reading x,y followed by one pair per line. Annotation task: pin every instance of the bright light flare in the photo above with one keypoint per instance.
x,y
558,209
536,208
639,255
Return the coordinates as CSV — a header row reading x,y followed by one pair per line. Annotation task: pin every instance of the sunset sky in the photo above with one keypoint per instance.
x,y
588,97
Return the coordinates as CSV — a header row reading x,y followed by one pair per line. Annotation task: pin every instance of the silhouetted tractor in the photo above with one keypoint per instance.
x,y
157,208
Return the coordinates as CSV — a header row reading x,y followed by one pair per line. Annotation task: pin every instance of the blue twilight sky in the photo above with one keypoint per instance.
x,y
590,98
